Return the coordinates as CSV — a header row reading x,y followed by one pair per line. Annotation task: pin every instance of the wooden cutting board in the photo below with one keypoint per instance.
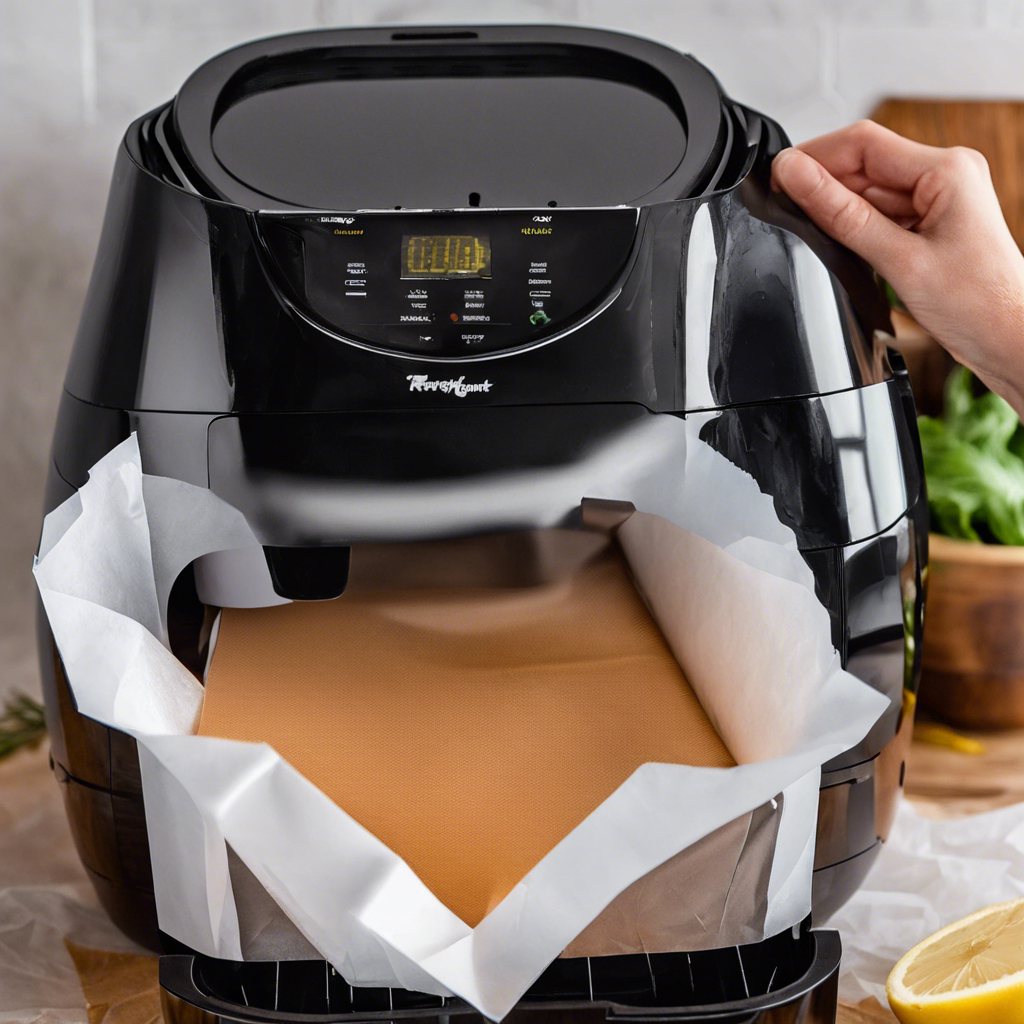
x,y
869,1012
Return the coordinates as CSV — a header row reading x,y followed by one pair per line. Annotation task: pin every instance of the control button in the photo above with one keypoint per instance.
x,y
539,318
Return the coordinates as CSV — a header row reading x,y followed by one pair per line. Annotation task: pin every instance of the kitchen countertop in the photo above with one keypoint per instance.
x,y
44,892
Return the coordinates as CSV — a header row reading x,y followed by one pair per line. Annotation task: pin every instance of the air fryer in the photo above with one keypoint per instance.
x,y
377,257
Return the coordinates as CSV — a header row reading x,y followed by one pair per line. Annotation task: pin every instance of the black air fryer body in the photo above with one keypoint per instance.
x,y
382,257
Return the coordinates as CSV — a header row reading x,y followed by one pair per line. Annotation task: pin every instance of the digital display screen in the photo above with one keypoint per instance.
x,y
430,257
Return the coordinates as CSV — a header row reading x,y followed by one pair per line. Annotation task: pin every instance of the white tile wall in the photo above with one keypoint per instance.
x,y
74,72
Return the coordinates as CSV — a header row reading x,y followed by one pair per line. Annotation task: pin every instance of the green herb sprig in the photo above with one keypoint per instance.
x,y
22,724
974,465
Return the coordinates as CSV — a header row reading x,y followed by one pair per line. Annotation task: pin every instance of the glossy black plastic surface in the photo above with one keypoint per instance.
x,y
308,573
841,482
729,299
834,884
840,468
489,115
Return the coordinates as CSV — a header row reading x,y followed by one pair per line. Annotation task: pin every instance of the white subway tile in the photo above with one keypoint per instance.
x,y
40,62
892,14
875,63
37,25
455,12
1004,13
256,17
737,14
803,121
335,13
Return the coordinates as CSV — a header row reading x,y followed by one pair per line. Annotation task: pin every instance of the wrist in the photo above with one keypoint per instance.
x,y
994,349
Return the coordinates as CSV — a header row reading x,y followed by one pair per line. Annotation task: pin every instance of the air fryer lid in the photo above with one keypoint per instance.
x,y
494,117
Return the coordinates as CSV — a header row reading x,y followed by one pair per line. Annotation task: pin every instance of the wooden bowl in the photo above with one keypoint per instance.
x,y
973,656
928,363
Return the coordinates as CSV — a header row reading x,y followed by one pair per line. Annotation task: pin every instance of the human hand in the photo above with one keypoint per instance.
x,y
928,220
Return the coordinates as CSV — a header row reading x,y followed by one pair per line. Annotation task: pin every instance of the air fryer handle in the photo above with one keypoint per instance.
x,y
856,276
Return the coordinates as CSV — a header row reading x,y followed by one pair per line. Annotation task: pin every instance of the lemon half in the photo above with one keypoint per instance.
x,y
971,971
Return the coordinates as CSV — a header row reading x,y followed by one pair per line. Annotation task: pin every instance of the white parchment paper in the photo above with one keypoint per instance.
x,y
929,874
107,561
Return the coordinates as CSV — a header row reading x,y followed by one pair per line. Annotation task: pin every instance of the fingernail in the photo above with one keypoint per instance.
x,y
800,174
780,158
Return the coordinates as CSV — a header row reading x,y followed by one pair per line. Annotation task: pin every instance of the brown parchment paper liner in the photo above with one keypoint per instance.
x,y
468,728
711,895
106,563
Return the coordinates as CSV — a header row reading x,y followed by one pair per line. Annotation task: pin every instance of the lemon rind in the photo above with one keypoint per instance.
x,y
897,992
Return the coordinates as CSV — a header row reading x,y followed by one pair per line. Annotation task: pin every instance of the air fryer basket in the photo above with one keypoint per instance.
x,y
788,979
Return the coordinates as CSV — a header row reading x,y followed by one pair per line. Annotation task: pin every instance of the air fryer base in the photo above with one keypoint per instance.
x,y
660,987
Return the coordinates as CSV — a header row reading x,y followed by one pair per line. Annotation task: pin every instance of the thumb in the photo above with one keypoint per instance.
x,y
846,216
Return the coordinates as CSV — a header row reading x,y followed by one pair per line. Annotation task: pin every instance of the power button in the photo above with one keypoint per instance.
x,y
539,318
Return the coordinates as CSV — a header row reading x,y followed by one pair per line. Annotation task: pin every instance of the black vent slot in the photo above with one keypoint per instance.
x,y
657,982
434,35
155,145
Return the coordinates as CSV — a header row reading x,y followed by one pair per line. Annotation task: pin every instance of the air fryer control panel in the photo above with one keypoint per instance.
x,y
450,284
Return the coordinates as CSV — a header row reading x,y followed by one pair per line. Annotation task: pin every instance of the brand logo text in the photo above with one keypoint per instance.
x,y
459,388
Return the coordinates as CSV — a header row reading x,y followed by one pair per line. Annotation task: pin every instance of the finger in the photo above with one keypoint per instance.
x,y
866,153
890,201
841,213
